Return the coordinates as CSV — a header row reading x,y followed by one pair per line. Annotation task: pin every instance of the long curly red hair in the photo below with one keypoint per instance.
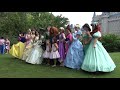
x,y
54,31
97,28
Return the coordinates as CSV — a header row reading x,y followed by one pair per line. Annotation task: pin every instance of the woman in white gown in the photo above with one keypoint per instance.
x,y
27,50
28,45
35,57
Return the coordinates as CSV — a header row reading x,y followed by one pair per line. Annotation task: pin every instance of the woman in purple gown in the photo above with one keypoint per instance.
x,y
61,46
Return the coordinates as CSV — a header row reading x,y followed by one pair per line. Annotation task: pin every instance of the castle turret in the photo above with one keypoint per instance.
x,y
94,15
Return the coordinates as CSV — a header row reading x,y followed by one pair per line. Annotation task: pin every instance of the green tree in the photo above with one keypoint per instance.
x,y
12,23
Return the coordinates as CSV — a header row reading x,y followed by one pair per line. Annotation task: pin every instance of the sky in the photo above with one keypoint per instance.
x,y
78,17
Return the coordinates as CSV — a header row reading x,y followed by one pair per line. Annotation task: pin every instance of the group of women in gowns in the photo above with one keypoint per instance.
x,y
81,49
29,51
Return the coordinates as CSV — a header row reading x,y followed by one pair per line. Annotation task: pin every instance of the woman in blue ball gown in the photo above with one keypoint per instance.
x,y
75,54
96,57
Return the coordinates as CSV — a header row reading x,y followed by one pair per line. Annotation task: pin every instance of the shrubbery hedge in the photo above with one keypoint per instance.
x,y
111,42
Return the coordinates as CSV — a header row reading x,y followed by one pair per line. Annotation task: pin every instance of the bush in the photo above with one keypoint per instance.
x,y
118,46
111,42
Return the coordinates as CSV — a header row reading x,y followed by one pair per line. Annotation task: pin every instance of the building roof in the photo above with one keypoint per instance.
x,y
115,15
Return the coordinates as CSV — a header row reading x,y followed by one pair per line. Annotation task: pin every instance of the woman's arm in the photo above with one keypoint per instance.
x,y
56,46
64,36
71,38
9,43
89,39
95,41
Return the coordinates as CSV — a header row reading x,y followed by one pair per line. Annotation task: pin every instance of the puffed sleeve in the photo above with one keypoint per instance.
x,y
97,34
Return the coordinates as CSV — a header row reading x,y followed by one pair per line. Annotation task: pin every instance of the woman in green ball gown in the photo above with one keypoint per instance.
x,y
86,36
97,58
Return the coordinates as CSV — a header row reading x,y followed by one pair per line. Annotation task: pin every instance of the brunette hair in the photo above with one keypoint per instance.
x,y
68,28
97,28
87,26
36,33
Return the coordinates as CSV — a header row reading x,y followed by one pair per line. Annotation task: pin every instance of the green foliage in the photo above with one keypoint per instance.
x,y
12,23
111,42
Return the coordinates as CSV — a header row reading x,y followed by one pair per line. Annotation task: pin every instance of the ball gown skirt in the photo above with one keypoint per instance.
x,y
17,50
61,51
54,53
27,51
75,55
35,56
97,59
46,54
85,48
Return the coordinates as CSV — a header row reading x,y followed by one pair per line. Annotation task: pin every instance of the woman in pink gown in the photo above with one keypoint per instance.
x,y
68,40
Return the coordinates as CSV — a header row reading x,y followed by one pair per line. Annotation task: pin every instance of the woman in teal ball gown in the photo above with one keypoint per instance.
x,y
97,58
86,36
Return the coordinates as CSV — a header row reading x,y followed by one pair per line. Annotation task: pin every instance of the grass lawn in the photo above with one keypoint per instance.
x,y
15,68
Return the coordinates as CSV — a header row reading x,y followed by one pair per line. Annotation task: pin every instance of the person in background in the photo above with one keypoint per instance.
x,y
2,45
68,39
7,45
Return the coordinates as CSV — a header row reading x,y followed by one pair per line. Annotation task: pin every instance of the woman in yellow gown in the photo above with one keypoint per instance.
x,y
18,49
